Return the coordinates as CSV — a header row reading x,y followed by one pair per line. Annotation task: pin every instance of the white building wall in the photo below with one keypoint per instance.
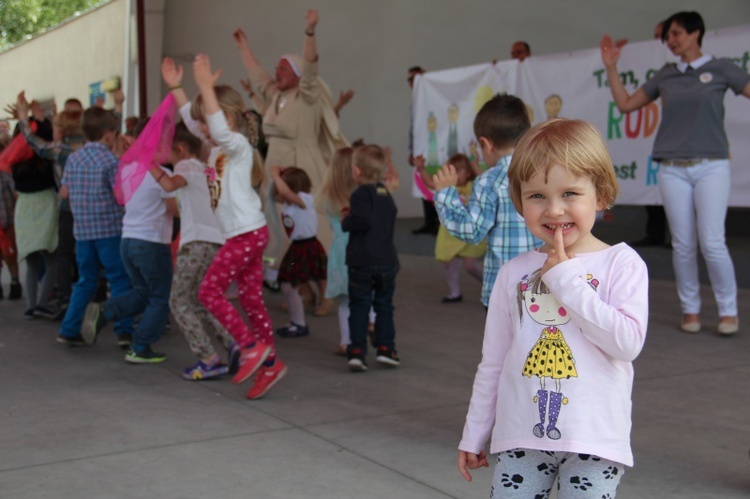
x,y
63,62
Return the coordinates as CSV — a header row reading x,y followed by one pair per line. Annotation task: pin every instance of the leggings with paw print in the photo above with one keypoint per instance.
x,y
526,473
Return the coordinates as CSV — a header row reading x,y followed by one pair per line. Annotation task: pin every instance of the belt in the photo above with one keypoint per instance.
x,y
684,162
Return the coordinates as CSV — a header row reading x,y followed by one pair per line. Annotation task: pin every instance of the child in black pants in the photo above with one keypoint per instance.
x,y
371,259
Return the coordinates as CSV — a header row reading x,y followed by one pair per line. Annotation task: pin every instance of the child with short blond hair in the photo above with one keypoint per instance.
x,y
371,258
564,324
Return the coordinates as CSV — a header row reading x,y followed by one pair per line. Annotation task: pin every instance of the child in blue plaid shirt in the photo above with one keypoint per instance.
x,y
489,212
88,182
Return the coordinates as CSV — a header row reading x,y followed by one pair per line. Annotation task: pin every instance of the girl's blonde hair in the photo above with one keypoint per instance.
x,y
574,144
338,184
232,104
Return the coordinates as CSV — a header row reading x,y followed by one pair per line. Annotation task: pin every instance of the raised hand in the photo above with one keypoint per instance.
x,y
445,177
171,73
311,18
240,38
21,107
610,51
36,111
202,71
557,254
119,97
12,111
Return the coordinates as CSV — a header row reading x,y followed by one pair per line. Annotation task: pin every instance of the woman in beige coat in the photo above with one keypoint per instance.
x,y
299,123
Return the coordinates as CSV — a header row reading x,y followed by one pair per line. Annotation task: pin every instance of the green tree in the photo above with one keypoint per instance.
x,y
19,18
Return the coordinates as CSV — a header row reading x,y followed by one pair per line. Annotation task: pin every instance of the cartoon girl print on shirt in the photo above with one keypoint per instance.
x,y
550,357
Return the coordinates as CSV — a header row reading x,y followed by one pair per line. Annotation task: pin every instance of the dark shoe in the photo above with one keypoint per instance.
x,y
45,313
124,340
453,299
59,310
74,341
94,321
147,356
387,357
356,360
29,314
16,291
293,331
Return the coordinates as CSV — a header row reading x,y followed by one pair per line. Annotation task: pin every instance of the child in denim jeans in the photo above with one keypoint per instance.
x,y
371,259
144,249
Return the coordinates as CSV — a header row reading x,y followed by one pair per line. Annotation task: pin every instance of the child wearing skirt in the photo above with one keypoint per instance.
x,y
305,259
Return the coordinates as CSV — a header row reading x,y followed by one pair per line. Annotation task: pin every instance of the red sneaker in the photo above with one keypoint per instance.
x,y
251,359
266,378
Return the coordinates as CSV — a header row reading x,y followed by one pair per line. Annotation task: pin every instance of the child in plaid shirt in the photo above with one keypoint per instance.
x,y
88,182
489,212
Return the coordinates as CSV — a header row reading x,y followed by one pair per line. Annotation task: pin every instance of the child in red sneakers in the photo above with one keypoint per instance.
x,y
219,111
371,259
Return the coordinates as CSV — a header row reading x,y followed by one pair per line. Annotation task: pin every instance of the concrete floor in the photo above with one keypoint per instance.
x,y
83,423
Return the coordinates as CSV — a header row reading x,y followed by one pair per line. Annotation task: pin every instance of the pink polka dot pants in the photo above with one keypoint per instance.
x,y
241,260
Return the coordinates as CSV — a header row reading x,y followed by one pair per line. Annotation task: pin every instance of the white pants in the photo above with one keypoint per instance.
x,y
695,200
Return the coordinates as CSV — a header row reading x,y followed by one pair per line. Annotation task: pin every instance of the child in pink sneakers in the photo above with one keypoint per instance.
x,y
219,111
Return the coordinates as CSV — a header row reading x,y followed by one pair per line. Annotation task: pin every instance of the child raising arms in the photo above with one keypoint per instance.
x,y
564,324
305,259
449,249
219,112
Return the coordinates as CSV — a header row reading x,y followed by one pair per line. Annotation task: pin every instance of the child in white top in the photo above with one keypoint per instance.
x,y
305,259
564,324
218,118
200,241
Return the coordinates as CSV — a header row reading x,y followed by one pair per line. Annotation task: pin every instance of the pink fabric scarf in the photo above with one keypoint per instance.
x,y
151,148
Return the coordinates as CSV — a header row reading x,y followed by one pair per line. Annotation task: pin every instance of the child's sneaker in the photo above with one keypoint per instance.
x,y
233,357
94,321
201,370
356,361
293,331
71,341
147,356
266,378
251,359
387,357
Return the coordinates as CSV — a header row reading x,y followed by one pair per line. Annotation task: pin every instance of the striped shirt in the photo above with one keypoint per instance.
x,y
489,213
90,178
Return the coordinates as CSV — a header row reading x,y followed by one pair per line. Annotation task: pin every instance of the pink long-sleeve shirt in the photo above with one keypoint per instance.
x,y
574,340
